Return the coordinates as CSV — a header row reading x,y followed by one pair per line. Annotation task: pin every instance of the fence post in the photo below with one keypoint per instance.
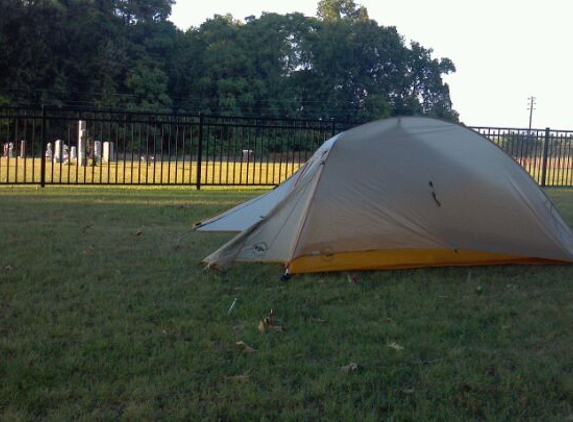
x,y
199,151
43,153
544,161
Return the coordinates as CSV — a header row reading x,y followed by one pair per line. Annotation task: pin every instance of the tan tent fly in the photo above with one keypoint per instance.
x,y
398,193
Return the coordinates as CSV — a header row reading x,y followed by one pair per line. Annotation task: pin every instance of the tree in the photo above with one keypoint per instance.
x,y
336,10
148,86
125,53
425,84
134,11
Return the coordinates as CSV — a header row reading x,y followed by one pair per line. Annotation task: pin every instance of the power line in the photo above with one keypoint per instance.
x,y
190,98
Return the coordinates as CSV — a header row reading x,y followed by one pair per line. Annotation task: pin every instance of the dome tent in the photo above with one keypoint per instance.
x,y
398,193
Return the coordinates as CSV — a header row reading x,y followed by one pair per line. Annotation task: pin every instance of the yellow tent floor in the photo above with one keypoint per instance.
x,y
397,259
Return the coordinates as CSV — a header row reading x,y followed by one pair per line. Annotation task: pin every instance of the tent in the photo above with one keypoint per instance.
x,y
398,193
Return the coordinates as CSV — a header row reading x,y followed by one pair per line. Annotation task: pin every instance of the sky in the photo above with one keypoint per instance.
x,y
505,51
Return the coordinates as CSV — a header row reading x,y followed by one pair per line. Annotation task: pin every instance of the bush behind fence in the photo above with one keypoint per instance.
x,y
63,146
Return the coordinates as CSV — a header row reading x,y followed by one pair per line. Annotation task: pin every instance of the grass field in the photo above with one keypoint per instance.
x,y
105,315
213,171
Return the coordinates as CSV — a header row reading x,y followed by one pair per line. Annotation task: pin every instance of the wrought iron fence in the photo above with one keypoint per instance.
x,y
62,146
546,154
56,146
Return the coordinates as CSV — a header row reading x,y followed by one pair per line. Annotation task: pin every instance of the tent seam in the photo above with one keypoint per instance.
x,y
311,199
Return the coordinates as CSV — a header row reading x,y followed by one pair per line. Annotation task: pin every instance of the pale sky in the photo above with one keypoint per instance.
x,y
504,50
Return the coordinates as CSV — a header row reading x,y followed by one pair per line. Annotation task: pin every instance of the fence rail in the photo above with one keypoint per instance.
x,y
546,154
61,146
54,146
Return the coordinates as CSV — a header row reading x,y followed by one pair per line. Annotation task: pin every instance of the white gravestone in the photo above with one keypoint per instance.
x,y
97,151
82,140
73,153
49,152
59,151
108,153
247,154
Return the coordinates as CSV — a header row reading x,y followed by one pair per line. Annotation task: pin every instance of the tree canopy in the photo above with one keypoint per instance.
x,y
127,54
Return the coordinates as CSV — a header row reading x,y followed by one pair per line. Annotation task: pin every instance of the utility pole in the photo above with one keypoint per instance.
x,y
531,108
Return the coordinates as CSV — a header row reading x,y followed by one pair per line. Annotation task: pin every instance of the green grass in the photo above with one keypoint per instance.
x,y
105,314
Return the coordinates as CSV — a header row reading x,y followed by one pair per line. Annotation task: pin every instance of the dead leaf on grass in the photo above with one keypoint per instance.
x,y
351,367
263,327
245,347
138,233
268,324
395,346
239,378
270,318
352,279
319,320
408,390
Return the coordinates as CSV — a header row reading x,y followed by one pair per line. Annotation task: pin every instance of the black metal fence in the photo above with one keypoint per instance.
x,y
546,154
55,146
61,146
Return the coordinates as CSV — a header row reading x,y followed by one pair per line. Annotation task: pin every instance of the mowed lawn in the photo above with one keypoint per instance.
x,y
214,171
106,314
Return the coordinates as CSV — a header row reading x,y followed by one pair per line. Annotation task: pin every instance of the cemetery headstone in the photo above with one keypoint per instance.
x,y
49,152
97,152
247,155
108,152
59,151
82,140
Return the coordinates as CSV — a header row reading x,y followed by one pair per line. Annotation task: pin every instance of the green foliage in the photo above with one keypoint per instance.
x,y
126,54
335,10
149,87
